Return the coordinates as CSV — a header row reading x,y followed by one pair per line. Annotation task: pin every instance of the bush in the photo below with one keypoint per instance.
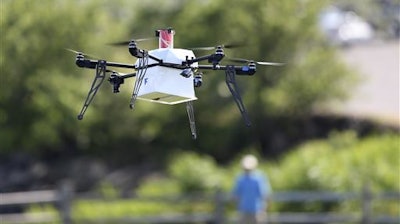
x,y
342,163
195,173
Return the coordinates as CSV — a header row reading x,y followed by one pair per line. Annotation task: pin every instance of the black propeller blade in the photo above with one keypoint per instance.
x,y
125,43
241,60
225,46
73,51
81,53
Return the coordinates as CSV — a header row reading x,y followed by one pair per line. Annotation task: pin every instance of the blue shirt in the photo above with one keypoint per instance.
x,y
251,189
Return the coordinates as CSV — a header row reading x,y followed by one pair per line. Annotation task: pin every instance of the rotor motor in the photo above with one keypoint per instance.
x,y
133,50
80,60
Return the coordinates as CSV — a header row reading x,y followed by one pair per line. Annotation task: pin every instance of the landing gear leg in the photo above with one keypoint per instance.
x,y
98,80
231,82
139,79
190,112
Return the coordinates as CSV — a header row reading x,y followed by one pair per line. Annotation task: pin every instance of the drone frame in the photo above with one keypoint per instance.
x,y
143,56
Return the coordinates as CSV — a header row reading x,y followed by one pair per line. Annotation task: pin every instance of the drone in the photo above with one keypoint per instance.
x,y
168,75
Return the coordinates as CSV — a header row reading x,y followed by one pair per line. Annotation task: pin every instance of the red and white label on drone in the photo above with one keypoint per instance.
x,y
166,39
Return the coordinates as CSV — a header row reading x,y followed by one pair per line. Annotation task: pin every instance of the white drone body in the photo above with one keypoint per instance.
x,y
166,85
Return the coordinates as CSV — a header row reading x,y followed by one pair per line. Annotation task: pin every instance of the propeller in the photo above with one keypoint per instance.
x,y
227,46
125,43
81,53
73,51
241,60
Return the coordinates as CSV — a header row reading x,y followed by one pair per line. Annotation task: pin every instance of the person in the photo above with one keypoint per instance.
x,y
251,191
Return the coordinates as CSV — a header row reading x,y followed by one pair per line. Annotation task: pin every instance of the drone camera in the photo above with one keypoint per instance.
x,y
198,80
116,81
187,72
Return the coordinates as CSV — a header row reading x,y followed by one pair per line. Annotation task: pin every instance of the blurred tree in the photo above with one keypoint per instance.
x,y
194,173
34,103
42,90
279,100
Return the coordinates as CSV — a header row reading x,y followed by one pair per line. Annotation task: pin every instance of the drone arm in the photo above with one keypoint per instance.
x,y
125,76
212,58
202,58
119,65
155,58
239,70
86,63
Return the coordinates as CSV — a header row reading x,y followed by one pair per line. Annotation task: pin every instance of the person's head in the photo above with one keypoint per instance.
x,y
249,162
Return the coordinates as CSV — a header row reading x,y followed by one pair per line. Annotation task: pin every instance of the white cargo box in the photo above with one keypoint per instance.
x,y
166,85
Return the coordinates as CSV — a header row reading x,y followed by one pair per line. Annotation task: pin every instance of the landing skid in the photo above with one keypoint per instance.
x,y
190,112
98,80
231,82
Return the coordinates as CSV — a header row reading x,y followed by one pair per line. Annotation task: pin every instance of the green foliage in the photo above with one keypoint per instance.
x,y
194,173
158,187
45,90
283,31
41,87
342,163
116,209
107,190
42,91
119,208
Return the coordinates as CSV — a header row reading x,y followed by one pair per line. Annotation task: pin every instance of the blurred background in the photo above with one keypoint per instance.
x,y
328,121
